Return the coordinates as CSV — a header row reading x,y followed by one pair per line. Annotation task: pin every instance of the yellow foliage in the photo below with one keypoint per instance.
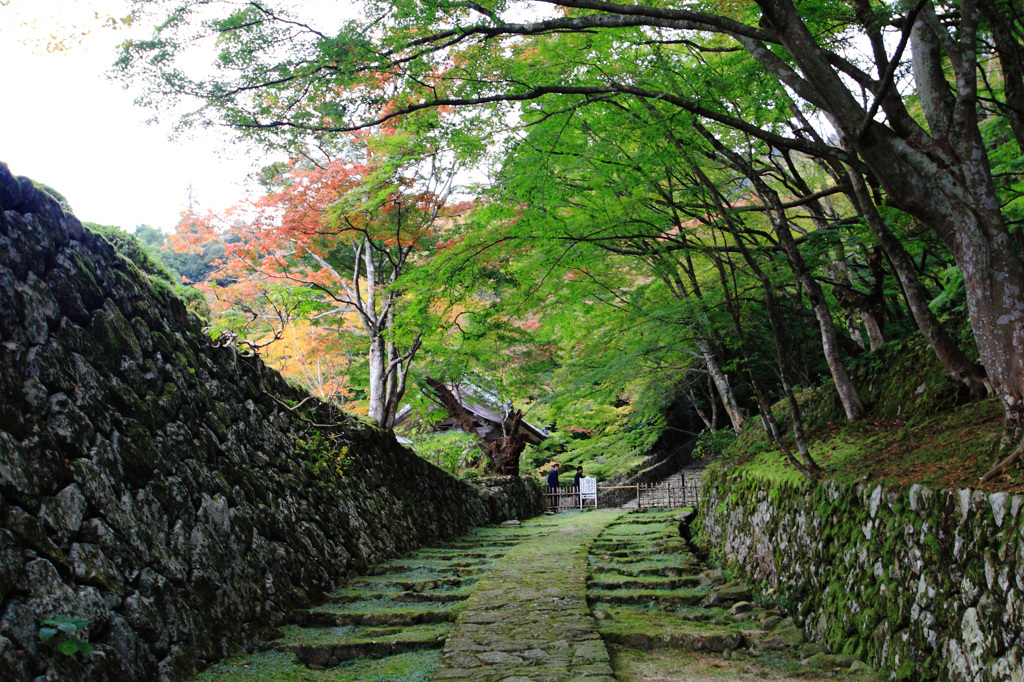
x,y
307,355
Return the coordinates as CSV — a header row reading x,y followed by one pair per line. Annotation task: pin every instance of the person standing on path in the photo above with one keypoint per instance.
x,y
553,488
577,478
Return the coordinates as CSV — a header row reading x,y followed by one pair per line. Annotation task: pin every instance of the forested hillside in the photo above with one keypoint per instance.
x,y
704,207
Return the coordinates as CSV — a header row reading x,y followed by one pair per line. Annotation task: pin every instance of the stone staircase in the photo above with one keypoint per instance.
x,y
665,616
388,625
598,595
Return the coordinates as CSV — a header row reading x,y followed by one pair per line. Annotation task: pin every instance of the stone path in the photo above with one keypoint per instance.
x,y
528,619
511,604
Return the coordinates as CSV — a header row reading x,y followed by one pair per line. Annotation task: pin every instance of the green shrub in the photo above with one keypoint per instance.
x,y
67,634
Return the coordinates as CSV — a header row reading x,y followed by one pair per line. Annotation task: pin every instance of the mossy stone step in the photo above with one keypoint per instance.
x,y
391,601
402,580
448,569
431,597
682,618
281,666
624,560
427,585
327,647
392,585
449,563
633,531
612,581
663,518
668,569
646,535
352,597
663,598
622,546
325,618
390,571
462,546
462,555
469,564
683,641
474,571
620,553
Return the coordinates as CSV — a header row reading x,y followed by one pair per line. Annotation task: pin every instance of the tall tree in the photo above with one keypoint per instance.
x,y
332,245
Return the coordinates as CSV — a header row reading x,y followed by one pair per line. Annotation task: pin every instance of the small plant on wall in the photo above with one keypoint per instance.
x,y
325,451
69,634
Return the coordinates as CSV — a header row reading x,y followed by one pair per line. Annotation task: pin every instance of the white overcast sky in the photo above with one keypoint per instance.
x,y
63,123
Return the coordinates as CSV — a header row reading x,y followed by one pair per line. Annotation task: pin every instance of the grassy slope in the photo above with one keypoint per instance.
x,y
920,429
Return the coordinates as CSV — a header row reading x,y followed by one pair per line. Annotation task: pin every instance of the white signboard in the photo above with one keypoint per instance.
x,y
588,490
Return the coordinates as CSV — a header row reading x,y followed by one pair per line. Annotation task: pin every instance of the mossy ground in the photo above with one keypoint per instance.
x,y
648,591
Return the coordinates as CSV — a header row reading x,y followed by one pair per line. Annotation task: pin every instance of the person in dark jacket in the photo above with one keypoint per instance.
x,y
577,478
553,488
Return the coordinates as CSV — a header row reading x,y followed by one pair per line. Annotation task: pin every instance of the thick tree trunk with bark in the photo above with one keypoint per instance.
x,y
388,366
873,313
848,394
377,365
846,294
507,450
452,405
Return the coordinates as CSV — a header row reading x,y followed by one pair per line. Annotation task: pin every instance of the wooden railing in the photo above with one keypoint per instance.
x,y
566,497
669,494
676,492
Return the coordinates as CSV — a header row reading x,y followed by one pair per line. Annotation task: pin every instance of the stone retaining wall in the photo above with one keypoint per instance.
x,y
164,489
924,584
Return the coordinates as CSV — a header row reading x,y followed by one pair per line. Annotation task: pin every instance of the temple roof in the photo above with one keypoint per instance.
x,y
486,409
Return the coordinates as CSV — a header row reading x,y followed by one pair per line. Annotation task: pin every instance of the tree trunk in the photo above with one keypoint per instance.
x,y
724,389
709,421
378,360
953,359
809,468
505,451
852,303
848,394
873,314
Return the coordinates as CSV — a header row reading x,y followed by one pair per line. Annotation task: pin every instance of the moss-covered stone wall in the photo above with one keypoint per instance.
x,y
167,490
924,584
